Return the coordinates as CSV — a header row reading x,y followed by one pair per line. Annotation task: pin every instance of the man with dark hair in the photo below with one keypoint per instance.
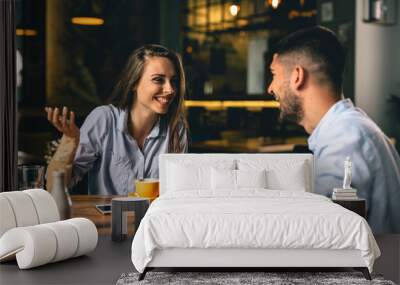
x,y
307,70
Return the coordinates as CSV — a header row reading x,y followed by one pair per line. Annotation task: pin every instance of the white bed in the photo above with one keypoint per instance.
x,y
247,210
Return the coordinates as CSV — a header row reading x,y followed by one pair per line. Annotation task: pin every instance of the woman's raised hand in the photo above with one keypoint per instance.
x,y
63,122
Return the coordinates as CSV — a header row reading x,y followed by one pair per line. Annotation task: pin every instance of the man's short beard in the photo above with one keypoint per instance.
x,y
291,107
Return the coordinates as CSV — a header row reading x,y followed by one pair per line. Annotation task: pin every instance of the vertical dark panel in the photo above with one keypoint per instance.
x,y
31,15
8,107
170,24
341,19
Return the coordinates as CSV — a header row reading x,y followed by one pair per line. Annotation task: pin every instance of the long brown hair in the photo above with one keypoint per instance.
x,y
123,95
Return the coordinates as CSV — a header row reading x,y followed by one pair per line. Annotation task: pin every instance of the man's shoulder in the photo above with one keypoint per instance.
x,y
351,128
356,122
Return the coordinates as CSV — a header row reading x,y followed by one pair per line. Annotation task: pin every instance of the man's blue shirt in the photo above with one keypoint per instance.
x,y
347,131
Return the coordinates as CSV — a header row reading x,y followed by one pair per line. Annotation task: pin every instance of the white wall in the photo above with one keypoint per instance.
x,y
377,70
256,66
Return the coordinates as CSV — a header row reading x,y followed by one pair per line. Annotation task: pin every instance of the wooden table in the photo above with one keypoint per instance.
x,y
248,145
85,206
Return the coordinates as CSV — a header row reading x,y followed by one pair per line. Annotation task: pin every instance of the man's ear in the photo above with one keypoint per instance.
x,y
298,78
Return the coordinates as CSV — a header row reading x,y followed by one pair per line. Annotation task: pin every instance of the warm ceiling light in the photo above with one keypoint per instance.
x,y
275,3
26,32
234,9
87,21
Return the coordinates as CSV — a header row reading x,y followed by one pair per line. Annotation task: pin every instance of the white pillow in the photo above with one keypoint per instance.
x,y
184,175
251,178
292,180
235,179
223,179
181,177
281,174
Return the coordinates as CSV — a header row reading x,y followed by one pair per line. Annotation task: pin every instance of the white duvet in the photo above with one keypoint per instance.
x,y
252,218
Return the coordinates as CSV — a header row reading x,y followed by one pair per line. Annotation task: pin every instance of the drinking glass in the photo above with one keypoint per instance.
x,y
30,176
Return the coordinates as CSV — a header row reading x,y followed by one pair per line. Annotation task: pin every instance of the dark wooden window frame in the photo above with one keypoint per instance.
x,y
8,103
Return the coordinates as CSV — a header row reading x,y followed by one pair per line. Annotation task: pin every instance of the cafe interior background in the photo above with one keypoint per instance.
x,y
70,53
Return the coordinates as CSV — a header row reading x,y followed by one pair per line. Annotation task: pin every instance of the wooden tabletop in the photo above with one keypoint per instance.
x,y
248,145
85,206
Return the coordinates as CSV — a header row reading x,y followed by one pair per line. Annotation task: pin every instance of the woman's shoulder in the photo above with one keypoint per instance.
x,y
102,117
104,110
104,113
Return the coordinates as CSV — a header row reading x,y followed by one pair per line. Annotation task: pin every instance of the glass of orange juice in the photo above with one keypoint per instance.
x,y
146,188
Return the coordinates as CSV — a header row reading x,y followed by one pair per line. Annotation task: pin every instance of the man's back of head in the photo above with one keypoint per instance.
x,y
319,51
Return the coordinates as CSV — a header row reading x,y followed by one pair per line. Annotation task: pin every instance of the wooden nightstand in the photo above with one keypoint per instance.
x,y
357,206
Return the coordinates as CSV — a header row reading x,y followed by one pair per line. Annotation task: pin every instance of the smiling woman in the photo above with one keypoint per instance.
x,y
120,142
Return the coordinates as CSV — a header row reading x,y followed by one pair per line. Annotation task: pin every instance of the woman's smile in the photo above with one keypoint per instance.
x,y
163,100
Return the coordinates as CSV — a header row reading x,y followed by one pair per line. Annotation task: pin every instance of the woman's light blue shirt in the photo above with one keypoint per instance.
x,y
112,157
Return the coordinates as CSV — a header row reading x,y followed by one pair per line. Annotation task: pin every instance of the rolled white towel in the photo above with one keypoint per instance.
x,y
40,244
33,246
26,208
87,235
67,240
45,205
7,218
23,208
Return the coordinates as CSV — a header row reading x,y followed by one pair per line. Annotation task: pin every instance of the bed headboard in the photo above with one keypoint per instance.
x,y
287,162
